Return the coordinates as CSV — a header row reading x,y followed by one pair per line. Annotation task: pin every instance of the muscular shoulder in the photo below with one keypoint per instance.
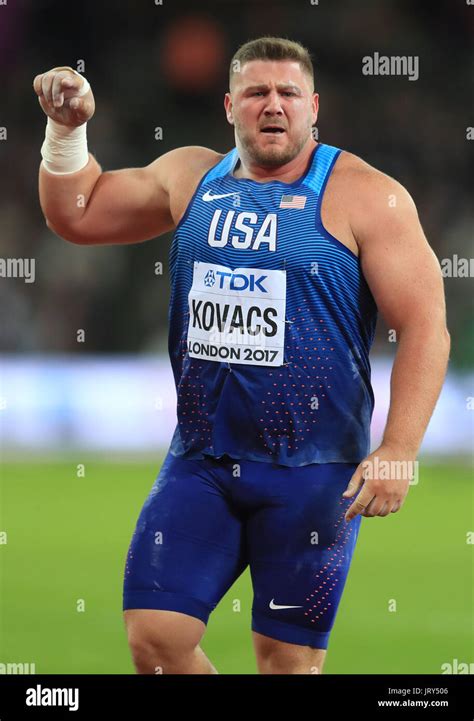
x,y
186,165
372,198
363,182
178,173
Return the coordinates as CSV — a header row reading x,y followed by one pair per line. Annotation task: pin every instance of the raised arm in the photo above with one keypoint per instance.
x,y
118,206
88,206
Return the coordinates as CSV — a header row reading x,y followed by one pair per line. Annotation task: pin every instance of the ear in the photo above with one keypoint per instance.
x,y
228,108
315,108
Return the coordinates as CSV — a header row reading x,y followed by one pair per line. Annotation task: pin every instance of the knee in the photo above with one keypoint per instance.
x,y
149,656
159,647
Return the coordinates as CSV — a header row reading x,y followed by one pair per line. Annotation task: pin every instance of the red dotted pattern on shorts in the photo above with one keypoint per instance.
x,y
327,577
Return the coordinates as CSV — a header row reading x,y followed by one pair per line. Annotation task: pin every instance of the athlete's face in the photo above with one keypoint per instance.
x,y
268,94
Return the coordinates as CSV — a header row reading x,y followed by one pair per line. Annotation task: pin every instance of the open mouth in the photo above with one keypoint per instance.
x,y
276,129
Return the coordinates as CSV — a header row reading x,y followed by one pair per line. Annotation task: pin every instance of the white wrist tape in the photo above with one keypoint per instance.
x,y
64,149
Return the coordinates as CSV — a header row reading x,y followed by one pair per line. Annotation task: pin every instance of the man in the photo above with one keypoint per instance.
x,y
283,251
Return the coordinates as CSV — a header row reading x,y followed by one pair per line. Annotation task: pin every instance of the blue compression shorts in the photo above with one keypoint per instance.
x,y
205,520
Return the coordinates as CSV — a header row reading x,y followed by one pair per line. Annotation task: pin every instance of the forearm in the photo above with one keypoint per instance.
x,y
68,172
64,198
417,377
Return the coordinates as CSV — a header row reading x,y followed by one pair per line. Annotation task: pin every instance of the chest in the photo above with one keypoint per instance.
x,y
268,223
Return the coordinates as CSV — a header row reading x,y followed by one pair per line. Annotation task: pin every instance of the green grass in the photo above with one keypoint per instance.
x,y
68,537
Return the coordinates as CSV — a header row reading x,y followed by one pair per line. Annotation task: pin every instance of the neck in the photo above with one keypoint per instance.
x,y
287,173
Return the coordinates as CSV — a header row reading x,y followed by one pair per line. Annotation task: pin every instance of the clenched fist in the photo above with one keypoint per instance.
x,y
58,92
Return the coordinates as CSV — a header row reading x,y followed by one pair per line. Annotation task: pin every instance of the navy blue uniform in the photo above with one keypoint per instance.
x,y
205,520
315,404
270,327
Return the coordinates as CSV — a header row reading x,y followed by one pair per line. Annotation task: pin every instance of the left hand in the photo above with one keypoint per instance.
x,y
382,492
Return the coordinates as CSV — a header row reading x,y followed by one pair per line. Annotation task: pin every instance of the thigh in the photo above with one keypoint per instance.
x,y
187,548
300,549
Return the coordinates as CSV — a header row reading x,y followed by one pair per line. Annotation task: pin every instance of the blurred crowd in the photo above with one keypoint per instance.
x,y
165,66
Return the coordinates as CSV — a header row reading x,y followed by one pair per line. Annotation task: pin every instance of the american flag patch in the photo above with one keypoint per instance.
x,y
293,201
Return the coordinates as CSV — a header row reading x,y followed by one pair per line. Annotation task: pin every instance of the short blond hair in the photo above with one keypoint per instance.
x,y
270,48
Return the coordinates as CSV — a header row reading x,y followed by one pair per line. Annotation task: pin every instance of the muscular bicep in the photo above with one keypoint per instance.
x,y
125,206
399,265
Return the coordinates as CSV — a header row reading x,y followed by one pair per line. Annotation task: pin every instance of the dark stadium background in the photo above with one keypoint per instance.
x,y
415,131
167,66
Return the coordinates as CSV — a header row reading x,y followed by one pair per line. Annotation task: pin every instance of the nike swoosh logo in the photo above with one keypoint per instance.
x,y
207,196
274,606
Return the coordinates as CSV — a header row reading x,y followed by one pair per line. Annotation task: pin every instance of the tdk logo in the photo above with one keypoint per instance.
x,y
235,281
209,279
